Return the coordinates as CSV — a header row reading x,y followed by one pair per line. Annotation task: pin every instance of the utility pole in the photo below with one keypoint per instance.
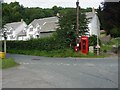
x,y
77,23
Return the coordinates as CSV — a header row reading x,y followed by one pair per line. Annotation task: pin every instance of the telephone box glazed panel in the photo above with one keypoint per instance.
x,y
84,44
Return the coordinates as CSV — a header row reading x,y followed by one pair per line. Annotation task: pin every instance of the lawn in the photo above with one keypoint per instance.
x,y
7,63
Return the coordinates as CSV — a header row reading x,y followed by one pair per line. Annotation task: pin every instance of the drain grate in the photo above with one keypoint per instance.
x,y
35,59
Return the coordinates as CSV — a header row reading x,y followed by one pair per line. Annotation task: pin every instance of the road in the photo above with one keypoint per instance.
x,y
45,72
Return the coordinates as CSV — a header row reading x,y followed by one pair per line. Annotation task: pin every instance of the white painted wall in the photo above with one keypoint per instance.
x,y
94,26
22,38
16,32
32,33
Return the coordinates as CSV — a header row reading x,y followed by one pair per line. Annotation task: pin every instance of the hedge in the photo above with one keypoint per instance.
x,y
43,44
47,44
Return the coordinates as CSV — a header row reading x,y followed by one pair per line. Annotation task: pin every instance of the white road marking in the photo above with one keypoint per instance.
x,y
89,64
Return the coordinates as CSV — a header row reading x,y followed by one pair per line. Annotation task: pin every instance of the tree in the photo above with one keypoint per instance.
x,y
55,9
11,12
67,27
14,12
115,32
109,16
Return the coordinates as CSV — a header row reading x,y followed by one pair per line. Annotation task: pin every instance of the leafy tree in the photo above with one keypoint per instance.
x,y
67,27
56,10
14,12
48,12
109,17
93,40
89,9
115,32
11,12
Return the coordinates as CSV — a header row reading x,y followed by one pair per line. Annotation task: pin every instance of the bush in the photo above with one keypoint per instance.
x,y
93,40
104,51
115,32
47,44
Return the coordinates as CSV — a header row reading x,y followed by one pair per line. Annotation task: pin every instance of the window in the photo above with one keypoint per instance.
x,y
84,45
37,28
31,29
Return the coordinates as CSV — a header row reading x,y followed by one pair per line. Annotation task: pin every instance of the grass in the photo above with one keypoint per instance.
x,y
56,53
102,34
7,63
108,46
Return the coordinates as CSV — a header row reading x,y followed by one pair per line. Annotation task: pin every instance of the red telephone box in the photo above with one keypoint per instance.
x,y
84,44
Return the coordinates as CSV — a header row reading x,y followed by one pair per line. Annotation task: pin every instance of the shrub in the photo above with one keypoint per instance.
x,y
115,32
93,40
47,44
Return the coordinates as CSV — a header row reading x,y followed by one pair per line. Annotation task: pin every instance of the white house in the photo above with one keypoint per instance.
x,y
44,27
16,30
93,23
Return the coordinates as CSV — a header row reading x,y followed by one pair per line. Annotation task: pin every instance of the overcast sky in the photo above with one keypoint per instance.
x,y
62,3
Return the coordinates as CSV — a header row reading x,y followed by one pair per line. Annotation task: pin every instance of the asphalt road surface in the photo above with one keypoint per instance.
x,y
45,72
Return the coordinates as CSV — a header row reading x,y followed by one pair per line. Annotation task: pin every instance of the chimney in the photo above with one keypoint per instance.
x,y
22,20
93,10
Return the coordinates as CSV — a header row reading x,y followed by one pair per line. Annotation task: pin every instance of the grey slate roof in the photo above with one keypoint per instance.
x,y
37,21
43,20
22,33
47,24
50,26
14,25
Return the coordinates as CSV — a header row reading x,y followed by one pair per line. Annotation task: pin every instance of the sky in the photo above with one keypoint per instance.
x,y
62,3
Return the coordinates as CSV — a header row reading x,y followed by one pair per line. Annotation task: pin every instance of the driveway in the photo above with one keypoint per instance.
x,y
45,72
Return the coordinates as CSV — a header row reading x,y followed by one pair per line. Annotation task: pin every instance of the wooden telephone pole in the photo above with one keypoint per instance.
x,y
77,23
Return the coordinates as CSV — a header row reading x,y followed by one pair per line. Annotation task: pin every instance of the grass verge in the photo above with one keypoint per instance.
x,y
55,53
7,63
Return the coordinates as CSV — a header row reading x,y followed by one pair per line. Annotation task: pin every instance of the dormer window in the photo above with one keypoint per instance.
x,y
31,29
38,28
